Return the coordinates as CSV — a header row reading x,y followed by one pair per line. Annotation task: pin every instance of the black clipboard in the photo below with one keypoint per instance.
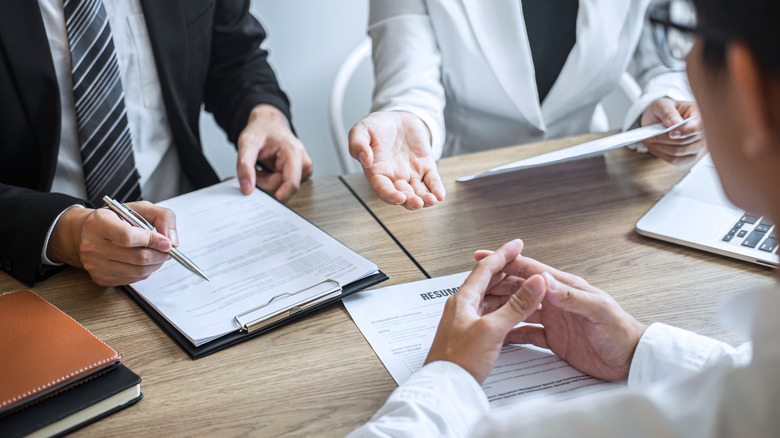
x,y
196,352
240,336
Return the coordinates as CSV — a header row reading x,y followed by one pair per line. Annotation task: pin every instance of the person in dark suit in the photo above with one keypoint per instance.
x,y
173,56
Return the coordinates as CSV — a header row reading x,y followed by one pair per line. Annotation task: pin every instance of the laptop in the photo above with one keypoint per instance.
x,y
696,213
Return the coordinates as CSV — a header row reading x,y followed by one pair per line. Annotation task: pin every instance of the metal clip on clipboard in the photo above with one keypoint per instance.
x,y
258,323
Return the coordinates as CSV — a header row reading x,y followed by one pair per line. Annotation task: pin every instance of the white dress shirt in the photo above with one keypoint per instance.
x,y
155,157
680,384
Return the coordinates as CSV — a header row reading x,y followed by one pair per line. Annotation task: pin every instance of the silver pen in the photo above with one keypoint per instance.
x,y
131,216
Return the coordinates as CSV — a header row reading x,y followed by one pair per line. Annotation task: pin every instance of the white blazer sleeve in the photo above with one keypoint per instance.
x,y
654,78
407,64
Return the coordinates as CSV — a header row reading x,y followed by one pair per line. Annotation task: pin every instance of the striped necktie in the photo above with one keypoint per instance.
x,y
104,136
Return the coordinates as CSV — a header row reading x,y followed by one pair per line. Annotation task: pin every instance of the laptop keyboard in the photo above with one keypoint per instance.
x,y
753,232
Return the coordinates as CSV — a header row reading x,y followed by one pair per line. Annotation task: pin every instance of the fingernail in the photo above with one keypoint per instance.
x,y
675,120
163,244
533,287
245,185
674,134
174,236
362,159
552,283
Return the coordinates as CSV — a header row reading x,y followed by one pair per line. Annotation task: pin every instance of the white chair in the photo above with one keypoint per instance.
x,y
616,104
619,101
338,129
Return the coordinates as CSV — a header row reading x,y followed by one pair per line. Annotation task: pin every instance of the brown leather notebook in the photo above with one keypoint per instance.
x,y
43,350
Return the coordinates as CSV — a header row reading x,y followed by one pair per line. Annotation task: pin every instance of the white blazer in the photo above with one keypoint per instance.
x,y
465,68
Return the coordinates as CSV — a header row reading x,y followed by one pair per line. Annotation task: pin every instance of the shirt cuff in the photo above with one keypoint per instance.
x,y
441,399
449,376
451,392
45,260
665,351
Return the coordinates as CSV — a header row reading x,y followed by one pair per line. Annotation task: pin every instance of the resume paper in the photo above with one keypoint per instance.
x,y
400,323
257,253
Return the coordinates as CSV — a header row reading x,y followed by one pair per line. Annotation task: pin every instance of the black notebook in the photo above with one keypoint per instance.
x,y
76,406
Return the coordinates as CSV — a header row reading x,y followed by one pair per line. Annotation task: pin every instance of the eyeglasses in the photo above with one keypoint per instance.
x,y
673,27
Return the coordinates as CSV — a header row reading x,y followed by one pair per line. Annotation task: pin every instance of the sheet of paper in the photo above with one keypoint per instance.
x,y
583,150
400,322
252,248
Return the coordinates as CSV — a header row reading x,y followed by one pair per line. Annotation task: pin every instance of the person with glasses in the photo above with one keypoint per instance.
x,y
678,383
455,77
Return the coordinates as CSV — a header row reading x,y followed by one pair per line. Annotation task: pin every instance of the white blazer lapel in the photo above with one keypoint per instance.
x,y
502,37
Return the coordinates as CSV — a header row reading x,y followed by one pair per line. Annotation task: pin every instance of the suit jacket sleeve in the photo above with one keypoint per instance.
x,y
27,217
239,76
407,64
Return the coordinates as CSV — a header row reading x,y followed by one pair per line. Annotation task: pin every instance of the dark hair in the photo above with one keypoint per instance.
x,y
753,22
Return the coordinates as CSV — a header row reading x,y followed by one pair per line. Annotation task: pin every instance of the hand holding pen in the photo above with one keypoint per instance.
x,y
113,252
134,218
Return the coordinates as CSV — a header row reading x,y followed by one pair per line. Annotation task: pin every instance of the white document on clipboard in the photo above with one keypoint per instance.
x,y
583,150
261,257
400,323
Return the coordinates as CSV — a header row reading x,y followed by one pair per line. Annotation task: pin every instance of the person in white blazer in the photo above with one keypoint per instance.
x,y
680,384
457,76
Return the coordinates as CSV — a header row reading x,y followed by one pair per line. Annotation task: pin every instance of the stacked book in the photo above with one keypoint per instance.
x,y
55,376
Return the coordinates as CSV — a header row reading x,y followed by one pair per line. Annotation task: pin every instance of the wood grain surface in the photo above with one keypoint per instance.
x,y
577,216
314,377
319,377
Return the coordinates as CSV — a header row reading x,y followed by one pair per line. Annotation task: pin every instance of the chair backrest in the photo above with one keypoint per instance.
x,y
341,83
617,103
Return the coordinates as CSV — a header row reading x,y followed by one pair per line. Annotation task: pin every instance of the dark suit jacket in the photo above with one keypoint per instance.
x,y
206,51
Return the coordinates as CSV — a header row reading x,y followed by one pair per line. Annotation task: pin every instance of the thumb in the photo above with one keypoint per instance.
x,y
162,219
159,242
521,305
666,111
360,144
135,237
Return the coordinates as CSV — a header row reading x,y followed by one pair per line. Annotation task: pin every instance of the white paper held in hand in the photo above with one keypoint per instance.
x,y
583,150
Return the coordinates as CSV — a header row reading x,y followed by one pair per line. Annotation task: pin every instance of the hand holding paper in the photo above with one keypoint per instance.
x,y
682,145
584,150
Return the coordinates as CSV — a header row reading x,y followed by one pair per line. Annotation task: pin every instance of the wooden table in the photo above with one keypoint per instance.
x,y
318,376
579,217
314,377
